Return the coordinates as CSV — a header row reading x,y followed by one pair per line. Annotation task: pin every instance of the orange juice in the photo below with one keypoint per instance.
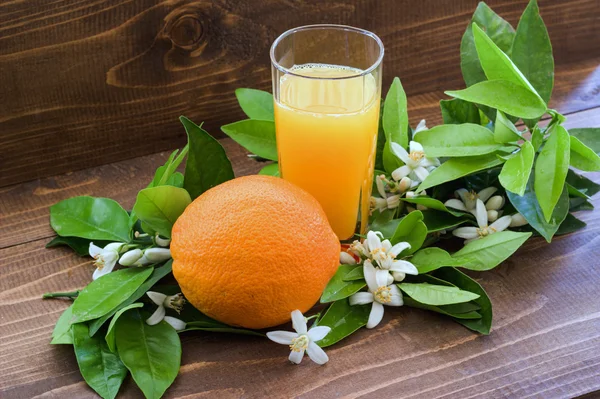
x,y
326,139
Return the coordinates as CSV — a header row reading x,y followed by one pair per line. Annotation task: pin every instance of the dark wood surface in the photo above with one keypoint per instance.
x,y
85,83
545,341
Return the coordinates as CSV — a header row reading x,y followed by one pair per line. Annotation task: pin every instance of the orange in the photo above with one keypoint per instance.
x,y
250,251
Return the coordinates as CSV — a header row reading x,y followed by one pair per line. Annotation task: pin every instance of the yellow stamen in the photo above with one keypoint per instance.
x,y
299,343
383,294
416,155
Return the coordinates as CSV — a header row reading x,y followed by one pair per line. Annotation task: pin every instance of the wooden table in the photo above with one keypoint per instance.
x,y
545,341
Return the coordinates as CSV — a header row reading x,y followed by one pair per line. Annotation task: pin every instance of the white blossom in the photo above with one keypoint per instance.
x,y
483,230
416,164
105,258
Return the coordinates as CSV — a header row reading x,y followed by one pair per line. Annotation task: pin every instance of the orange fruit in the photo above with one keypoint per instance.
x,y
250,251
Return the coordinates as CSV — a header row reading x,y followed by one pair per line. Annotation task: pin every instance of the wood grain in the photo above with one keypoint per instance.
x,y
90,82
545,341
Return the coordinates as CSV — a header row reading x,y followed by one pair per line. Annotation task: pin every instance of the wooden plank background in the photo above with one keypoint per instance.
x,y
89,82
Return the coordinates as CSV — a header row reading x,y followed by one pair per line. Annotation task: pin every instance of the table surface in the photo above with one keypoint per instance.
x,y
545,341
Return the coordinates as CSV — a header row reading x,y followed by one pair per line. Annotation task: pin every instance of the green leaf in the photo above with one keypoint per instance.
x,y
256,104
62,330
528,206
254,135
495,63
166,174
455,168
154,278
408,301
385,227
504,130
464,282
573,192
582,183
505,96
532,51
207,165
355,274
430,294
498,30
515,172
412,230
159,207
582,157
432,203
338,289
551,170
488,252
437,221
432,258
569,225
91,218
110,333
271,170
151,353
381,141
590,136
104,294
467,139
395,116
101,369
537,138
343,319
81,246
457,112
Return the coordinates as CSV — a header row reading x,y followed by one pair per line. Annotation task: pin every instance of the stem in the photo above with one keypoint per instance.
x,y
313,316
72,294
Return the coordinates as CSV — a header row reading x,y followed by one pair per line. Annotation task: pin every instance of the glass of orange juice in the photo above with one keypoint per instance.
x,y
327,91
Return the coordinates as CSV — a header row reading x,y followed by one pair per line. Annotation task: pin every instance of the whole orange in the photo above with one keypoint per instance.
x,y
250,251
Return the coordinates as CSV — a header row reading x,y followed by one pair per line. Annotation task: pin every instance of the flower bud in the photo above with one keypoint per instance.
x,y
492,216
495,203
130,257
347,259
410,194
399,276
518,220
420,127
393,202
155,255
380,186
405,184
161,242
390,279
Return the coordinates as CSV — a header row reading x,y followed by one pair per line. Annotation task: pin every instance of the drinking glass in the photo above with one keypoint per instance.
x,y
327,91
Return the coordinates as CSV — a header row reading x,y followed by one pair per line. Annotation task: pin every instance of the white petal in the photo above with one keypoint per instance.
x,y
156,297
420,127
481,214
298,322
381,276
414,146
177,324
462,193
399,248
114,246
431,161
421,173
318,333
386,244
456,204
162,242
400,153
155,255
94,250
157,316
347,259
390,279
404,267
401,172
380,187
100,272
396,299
398,276
282,337
296,357
376,315
316,354
466,232
361,298
486,193
502,223
369,273
373,240
518,220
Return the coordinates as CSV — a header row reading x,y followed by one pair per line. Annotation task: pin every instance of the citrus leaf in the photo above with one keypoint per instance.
x,y
488,252
343,319
110,333
467,139
515,172
432,258
430,294
62,330
256,104
159,207
337,288
257,136
455,168
582,157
